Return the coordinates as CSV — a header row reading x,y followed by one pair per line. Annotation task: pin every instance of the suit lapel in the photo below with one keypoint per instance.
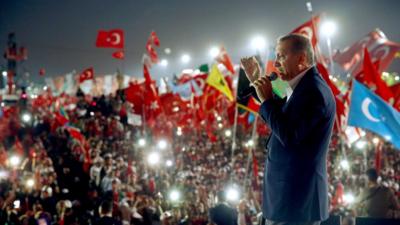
x,y
301,85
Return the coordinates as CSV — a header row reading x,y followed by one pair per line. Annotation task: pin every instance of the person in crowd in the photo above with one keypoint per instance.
x,y
376,200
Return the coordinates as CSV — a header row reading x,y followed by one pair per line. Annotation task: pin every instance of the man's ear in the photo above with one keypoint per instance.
x,y
302,61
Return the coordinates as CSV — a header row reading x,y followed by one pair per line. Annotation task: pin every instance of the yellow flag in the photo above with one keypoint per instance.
x,y
217,80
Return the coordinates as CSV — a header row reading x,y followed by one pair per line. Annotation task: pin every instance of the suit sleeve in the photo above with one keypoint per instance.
x,y
293,126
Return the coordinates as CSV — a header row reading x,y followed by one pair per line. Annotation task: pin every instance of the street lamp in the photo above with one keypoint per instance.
x,y
258,43
214,51
328,29
164,62
185,58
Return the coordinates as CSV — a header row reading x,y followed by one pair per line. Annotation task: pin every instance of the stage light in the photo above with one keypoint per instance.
x,y
174,195
250,143
26,117
232,194
228,133
153,158
142,142
169,163
30,182
162,144
345,164
361,144
348,198
14,161
375,140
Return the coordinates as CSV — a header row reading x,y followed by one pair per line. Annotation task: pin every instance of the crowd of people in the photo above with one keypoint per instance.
x,y
91,169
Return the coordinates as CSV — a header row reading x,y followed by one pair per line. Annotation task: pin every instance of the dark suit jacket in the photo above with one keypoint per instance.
x,y
295,176
223,214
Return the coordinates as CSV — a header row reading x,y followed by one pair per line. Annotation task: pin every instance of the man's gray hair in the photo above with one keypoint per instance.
x,y
299,44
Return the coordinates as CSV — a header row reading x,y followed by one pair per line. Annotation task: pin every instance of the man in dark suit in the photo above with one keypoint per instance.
x,y
223,213
295,179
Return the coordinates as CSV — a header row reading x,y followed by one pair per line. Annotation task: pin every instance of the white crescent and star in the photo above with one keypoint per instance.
x,y
376,51
116,40
364,107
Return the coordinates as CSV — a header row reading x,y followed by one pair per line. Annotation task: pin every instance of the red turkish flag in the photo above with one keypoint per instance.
x,y
253,105
151,51
152,40
76,134
155,39
310,30
110,39
172,103
379,47
341,108
135,95
224,58
87,74
118,55
325,74
372,78
396,93
151,101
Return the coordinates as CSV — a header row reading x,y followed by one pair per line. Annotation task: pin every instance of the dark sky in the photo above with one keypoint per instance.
x,y
60,35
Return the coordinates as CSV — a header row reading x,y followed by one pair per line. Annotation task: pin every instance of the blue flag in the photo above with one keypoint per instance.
x,y
185,90
369,111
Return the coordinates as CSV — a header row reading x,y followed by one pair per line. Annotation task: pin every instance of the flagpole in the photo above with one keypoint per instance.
x,y
251,152
234,133
234,140
194,110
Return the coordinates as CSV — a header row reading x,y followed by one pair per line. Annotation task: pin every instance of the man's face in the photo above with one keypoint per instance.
x,y
287,62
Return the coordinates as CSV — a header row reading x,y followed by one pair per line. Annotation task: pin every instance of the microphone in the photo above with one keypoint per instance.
x,y
251,90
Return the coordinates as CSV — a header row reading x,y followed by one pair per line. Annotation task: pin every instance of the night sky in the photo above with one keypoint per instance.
x,y
60,35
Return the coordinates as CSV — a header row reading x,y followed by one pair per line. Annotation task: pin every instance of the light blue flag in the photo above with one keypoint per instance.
x,y
185,90
369,111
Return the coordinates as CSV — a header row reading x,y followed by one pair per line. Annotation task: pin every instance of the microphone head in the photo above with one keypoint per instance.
x,y
273,76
